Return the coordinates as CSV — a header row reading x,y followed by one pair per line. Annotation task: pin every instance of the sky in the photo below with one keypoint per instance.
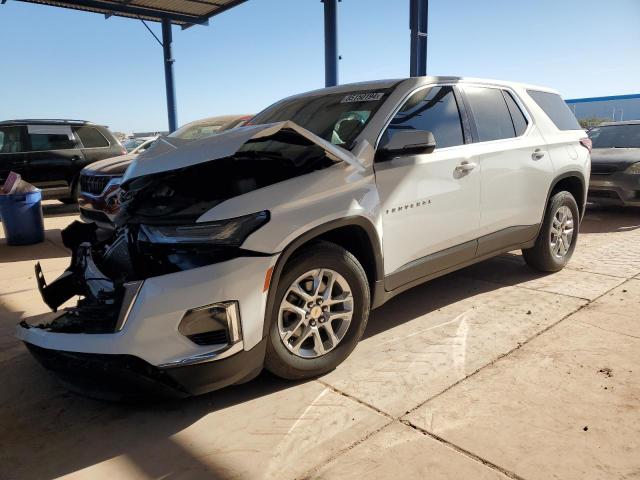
x,y
60,63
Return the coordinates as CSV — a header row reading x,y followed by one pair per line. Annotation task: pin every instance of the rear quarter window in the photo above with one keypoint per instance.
x,y
556,109
91,137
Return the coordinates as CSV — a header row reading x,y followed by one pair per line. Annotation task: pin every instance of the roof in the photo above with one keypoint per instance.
x,y
44,121
624,122
179,12
390,83
604,99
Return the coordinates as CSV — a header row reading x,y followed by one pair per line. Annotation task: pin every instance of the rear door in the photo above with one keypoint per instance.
x,y
54,152
516,168
13,152
430,205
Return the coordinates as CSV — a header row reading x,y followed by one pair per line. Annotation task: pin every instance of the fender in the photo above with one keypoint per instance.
x,y
581,201
316,232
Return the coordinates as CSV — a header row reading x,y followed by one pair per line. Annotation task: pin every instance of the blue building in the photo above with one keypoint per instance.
x,y
600,109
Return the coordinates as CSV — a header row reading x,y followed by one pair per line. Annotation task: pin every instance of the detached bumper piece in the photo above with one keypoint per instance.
x,y
129,378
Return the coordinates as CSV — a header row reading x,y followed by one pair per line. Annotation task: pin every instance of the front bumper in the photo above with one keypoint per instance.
x,y
149,344
125,377
618,188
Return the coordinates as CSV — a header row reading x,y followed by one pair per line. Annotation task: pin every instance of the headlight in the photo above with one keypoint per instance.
x,y
231,232
633,169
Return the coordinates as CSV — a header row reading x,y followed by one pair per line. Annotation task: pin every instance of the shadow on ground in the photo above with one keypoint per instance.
x,y
38,415
600,219
39,251
58,209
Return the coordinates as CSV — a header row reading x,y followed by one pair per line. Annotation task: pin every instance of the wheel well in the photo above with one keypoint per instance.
x,y
574,186
356,241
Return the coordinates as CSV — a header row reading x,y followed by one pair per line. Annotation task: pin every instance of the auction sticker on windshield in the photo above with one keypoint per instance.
x,y
362,97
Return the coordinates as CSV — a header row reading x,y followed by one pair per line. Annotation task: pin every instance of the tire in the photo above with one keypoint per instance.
x,y
546,255
74,194
335,263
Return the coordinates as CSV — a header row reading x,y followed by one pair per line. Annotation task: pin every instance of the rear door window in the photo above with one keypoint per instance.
x,y
490,112
50,137
434,110
556,109
518,118
91,137
12,140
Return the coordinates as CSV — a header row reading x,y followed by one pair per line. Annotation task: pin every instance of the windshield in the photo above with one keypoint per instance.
x,y
338,118
143,146
200,129
133,143
616,136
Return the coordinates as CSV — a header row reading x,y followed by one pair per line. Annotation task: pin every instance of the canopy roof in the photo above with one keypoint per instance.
x,y
179,12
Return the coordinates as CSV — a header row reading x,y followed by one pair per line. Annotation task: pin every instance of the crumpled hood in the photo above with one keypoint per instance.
x,y
110,166
169,153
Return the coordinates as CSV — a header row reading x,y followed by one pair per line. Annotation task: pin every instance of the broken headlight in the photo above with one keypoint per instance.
x,y
230,232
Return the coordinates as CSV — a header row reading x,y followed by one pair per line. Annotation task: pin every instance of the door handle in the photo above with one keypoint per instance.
x,y
537,154
466,166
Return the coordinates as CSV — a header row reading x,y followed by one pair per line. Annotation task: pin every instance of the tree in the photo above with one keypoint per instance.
x,y
592,122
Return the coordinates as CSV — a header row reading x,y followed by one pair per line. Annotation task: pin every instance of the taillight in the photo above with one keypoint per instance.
x,y
586,143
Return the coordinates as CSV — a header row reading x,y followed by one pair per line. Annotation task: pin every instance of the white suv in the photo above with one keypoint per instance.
x,y
267,246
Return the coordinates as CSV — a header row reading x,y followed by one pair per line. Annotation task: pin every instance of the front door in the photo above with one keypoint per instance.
x,y
430,202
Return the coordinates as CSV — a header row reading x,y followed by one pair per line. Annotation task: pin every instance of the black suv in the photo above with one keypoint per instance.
x,y
50,153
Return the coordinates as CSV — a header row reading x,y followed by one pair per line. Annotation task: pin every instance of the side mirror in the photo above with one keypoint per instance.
x,y
407,142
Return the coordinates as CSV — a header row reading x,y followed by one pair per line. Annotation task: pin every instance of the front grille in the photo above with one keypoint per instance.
x,y
603,194
604,168
93,184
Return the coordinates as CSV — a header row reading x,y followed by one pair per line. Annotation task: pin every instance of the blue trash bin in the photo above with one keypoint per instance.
x,y
21,216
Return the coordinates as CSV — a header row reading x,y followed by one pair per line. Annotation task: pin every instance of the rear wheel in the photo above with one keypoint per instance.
x,y
558,235
321,311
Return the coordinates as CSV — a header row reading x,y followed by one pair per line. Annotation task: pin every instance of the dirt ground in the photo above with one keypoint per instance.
x,y
492,372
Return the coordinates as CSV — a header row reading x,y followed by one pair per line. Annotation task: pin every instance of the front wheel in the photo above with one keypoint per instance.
x,y
321,310
75,191
558,235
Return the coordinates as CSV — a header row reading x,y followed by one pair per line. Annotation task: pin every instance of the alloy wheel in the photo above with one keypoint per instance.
x,y
561,235
315,313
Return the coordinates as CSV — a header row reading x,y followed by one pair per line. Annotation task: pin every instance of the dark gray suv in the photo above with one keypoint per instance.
x,y
50,153
615,164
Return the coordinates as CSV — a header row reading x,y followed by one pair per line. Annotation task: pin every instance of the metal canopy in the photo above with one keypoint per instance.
x,y
197,12
178,12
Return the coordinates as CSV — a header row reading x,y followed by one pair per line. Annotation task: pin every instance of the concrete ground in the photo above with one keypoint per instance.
x,y
493,372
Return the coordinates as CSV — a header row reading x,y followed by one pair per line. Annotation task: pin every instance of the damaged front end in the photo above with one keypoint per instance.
x,y
101,274
164,193
136,311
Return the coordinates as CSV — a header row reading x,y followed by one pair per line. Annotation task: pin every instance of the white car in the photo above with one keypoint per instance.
x,y
138,144
268,245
